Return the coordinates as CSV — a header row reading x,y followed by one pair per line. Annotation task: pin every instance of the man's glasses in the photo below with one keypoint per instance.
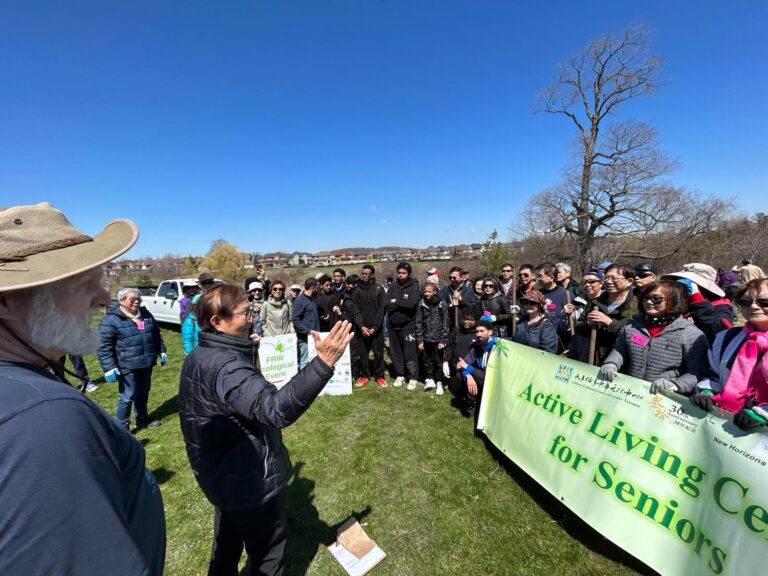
x,y
747,302
654,299
643,274
134,299
522,275
614,278
506,270
590,281
455,278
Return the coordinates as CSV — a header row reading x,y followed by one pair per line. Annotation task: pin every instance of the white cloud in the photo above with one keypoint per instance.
x,y
372,208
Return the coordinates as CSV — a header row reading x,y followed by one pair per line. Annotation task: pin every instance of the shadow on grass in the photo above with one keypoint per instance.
x,y
574,526
306,530
162,474
167,408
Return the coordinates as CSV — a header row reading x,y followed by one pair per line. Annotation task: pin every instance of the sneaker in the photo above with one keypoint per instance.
x,y
429,384
399,381
439,391
381,382
147,424
91,387
362,382
412,385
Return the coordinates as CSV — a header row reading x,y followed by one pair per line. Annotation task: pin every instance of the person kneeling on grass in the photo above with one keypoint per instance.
x,y
472,367
738,361
231,418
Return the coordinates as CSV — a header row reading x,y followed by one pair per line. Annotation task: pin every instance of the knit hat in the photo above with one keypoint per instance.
x,y
536,297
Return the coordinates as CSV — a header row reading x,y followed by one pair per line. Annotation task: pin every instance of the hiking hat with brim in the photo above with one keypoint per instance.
x,y
38,245
702,274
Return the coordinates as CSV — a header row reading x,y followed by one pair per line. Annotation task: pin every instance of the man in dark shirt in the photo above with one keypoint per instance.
x,y
370,298
76,497
305,318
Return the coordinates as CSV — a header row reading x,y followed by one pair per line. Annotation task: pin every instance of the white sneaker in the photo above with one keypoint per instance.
x,y
399,381
439,391
91,387
429,384
412,385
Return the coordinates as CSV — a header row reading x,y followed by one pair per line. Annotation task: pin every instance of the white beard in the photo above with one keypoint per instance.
x,y
51,328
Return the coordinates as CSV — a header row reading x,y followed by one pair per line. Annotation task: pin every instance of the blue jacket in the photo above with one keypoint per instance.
x,y
304,316
190,327
124,345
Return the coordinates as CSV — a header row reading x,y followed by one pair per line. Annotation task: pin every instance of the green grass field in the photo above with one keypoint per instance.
x,y
432,494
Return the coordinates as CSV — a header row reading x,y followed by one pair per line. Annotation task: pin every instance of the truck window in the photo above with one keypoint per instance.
x,y
163,290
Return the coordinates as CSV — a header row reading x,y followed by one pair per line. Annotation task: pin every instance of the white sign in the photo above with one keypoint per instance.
x,y
278,359
341,381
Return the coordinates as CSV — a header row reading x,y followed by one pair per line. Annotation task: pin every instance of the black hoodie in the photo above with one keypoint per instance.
x,y
370,298
406,296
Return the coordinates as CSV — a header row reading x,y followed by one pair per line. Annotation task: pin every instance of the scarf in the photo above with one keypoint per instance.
x,y
749,374
659,320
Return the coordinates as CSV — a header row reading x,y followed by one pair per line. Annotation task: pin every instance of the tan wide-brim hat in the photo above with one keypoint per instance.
x,y
38,245
702,274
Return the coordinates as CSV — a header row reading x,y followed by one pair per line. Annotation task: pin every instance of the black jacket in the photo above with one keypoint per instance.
x,y
432,321
325,303
606,335
499,307
402,312
370,299
459,343
231,419
711,317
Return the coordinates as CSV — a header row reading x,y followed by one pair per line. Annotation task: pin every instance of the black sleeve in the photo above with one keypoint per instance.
x,y
251,396
711,319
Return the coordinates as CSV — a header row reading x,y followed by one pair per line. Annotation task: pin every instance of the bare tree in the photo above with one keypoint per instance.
x,y
615,186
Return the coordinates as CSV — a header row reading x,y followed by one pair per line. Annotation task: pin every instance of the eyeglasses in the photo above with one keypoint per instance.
x,y
247,313
506,270
590,281
747,302
455,277
488,286
278,289
522,275
613,278
134,300
654,299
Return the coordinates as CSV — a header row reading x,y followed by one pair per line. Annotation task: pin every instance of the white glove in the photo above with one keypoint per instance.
x,y
607,372
662,384
446,370
493,317
514,309
163,358
112,375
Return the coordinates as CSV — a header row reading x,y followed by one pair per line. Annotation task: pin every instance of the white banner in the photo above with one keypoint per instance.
x,y
278,358
341,381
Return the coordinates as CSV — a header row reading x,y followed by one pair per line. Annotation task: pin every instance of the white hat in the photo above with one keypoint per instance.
x,y
255,286
295,287
702,274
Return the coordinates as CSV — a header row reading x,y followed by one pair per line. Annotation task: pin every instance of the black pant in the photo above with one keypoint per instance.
x,y
364,347
78,365
263,530
430,361
404,352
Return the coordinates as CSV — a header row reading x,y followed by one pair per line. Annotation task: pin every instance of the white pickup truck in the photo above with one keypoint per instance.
x,y
164,304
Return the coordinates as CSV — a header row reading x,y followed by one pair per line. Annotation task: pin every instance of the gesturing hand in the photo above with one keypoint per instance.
x,y
331,349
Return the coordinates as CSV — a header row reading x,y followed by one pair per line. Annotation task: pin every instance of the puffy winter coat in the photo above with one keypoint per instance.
x,y
541,335
432,321
124,344
190,328
231,419
678,353
276,317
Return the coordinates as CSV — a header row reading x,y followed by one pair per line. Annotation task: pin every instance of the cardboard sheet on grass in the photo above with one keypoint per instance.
x,y
682,490
354,550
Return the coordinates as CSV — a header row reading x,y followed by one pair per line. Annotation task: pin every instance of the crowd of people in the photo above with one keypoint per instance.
x,y
697,331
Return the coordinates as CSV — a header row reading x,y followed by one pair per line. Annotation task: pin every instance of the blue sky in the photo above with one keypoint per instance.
x,y
318,124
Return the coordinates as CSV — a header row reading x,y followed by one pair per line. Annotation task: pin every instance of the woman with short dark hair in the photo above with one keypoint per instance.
x,y
231,419
659,344
276,311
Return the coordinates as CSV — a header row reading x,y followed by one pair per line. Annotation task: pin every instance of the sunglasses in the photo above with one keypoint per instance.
x,y
643,274
134,300
590,281
747,302
654,299
506,270
278,289
247,313
488,286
